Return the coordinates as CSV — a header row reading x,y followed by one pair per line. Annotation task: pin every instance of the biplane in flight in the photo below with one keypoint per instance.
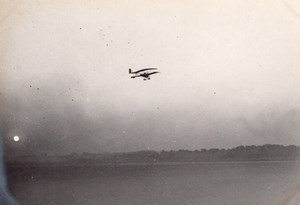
x,y
145,73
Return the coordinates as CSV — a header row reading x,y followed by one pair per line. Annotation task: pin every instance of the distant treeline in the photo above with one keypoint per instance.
x,y
266,152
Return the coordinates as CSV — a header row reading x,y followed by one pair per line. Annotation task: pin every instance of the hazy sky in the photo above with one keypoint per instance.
x,y
230,74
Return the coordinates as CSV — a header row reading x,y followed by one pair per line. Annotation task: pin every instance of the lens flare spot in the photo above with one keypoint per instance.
x,y
16,138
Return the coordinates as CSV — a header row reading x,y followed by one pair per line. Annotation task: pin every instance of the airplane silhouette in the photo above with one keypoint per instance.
x,y
143,73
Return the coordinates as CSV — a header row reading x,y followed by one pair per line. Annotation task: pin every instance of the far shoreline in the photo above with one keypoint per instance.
x,y
62,165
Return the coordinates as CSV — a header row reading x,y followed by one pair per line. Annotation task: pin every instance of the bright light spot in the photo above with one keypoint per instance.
x,y
16,138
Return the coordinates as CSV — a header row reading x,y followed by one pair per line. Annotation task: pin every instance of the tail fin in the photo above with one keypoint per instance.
x,y
129,71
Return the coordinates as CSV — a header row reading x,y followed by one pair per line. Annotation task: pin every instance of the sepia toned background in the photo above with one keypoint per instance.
x,y
229,75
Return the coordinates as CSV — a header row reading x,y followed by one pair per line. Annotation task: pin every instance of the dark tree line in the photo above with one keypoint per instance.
x,y
266,152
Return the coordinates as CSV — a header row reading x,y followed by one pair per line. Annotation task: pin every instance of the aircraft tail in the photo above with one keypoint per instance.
x,y
129,71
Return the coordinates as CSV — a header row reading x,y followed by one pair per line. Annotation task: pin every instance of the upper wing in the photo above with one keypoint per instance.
x,y
144,70
152,73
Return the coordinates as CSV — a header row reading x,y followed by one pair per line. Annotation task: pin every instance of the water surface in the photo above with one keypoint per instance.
x,y
238,183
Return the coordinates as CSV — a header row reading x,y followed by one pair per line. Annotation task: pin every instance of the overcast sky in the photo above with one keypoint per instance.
x,y
230,74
